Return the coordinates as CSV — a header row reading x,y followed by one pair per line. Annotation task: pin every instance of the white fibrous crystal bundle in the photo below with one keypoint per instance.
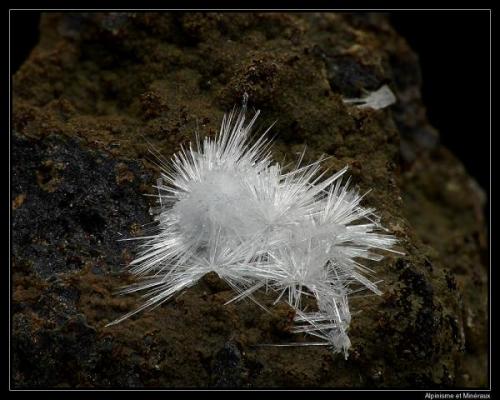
x,y
226,207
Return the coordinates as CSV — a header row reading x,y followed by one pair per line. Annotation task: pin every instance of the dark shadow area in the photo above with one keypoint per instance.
x,y
454,52
24,35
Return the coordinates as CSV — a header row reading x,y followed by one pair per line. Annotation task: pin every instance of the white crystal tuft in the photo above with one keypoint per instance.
x,y
226,207
378,99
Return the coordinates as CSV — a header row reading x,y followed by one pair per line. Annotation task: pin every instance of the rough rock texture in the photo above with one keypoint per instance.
x,y
100,88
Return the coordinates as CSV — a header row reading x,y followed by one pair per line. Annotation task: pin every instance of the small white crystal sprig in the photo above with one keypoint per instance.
x,y
226,207
378,99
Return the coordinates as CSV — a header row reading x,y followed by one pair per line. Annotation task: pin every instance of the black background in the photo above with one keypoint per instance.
x,y
454,51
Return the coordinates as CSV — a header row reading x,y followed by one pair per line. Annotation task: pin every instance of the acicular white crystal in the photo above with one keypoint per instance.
x,y
226,207
378,99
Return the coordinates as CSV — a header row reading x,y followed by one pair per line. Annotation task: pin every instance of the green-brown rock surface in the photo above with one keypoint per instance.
x,y
100,88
